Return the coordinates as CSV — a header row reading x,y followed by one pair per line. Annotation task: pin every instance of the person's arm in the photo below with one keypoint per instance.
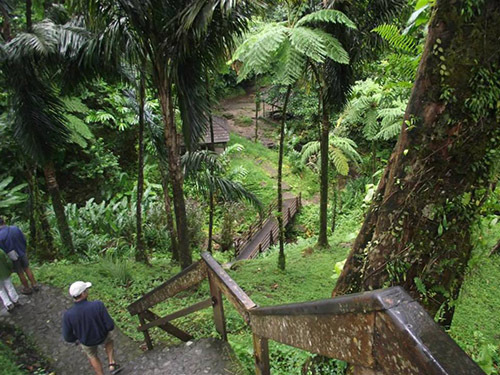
x,y
67,331
108,321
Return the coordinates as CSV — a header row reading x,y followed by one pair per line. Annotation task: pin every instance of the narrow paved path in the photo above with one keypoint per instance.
x,y
40,318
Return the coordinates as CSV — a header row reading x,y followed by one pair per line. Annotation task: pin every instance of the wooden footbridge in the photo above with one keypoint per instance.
x,y
265,232
378,332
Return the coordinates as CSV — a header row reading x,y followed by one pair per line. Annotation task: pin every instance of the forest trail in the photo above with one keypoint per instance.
x,y
40,318
240,108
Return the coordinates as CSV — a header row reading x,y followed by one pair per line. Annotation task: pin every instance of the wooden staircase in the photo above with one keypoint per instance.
x,y
378,332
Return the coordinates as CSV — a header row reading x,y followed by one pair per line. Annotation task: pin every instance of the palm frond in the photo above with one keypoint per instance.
x,y
327,16
194,162
234,191
40,43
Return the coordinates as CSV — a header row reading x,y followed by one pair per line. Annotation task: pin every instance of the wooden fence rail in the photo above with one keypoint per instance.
x,y
378,332
272,236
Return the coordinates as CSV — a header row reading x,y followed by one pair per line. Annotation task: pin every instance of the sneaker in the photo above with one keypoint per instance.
x,y
36,288
10,307
26,291
17,304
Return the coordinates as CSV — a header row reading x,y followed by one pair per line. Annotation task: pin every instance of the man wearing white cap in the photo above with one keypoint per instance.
x,y
89,323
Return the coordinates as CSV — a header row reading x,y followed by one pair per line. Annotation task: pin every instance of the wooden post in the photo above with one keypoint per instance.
x,y
219,320
289,214
261,355
260,247
147,337
271,239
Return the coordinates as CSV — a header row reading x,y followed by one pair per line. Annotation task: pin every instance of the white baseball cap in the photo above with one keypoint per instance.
x,y
78,287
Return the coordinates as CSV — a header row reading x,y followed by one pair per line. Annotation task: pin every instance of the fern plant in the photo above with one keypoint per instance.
x,y
284,48
374,111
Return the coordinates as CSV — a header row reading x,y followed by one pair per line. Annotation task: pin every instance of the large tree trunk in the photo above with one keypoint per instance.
x,y
41,240
175,170
417,231
281,229
62,223
170,218
140,254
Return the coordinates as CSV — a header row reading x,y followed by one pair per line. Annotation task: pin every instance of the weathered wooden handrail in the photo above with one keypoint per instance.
x,y
269,239
378,332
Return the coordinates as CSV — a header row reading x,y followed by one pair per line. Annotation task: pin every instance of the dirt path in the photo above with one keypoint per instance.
x,y
40,318
240,113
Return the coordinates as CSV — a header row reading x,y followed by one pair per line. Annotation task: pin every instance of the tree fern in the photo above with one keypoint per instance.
x,y
309,149
390,120
326,16
257,51
308,42
290,64
333,48
339,160
401,42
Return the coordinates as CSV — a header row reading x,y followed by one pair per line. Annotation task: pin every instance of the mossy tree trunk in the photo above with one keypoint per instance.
x,y
170,218
417,231
41,240
62,222
174,165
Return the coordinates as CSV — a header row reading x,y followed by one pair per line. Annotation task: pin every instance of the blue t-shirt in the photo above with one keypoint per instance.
x,y
11,238
87,322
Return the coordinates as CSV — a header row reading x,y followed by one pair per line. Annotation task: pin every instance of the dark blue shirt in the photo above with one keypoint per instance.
x,y
87,322
11,238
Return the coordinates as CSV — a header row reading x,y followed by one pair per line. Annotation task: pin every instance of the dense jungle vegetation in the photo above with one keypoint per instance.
x,y
382,114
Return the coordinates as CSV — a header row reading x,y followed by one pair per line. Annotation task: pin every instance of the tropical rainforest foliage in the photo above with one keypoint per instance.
x,y
382,119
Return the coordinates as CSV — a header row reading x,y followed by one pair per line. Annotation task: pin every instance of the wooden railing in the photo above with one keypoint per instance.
x,y
379,332
271,237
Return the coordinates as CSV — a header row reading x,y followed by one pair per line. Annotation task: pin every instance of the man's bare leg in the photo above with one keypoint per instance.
x,y
110,352
96,365
23,280
31,277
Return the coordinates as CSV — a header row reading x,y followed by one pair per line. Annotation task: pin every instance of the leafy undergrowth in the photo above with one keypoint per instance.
x,y
261,163
310,275
18,356
476,323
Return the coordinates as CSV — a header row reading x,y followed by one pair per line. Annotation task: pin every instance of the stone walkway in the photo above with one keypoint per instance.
x,y
40,318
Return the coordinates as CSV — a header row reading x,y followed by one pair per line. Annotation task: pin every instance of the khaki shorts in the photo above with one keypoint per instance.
x,y
91,351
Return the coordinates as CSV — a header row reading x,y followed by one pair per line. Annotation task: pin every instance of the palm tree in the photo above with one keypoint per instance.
x,y
289,49
38,122
182,40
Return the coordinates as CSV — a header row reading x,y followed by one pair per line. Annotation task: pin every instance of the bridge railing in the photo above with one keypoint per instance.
x,y
378,332
272,237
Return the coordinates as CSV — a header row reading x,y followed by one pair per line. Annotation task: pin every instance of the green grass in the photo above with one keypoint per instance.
x,y
262,163
476,323
8,364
